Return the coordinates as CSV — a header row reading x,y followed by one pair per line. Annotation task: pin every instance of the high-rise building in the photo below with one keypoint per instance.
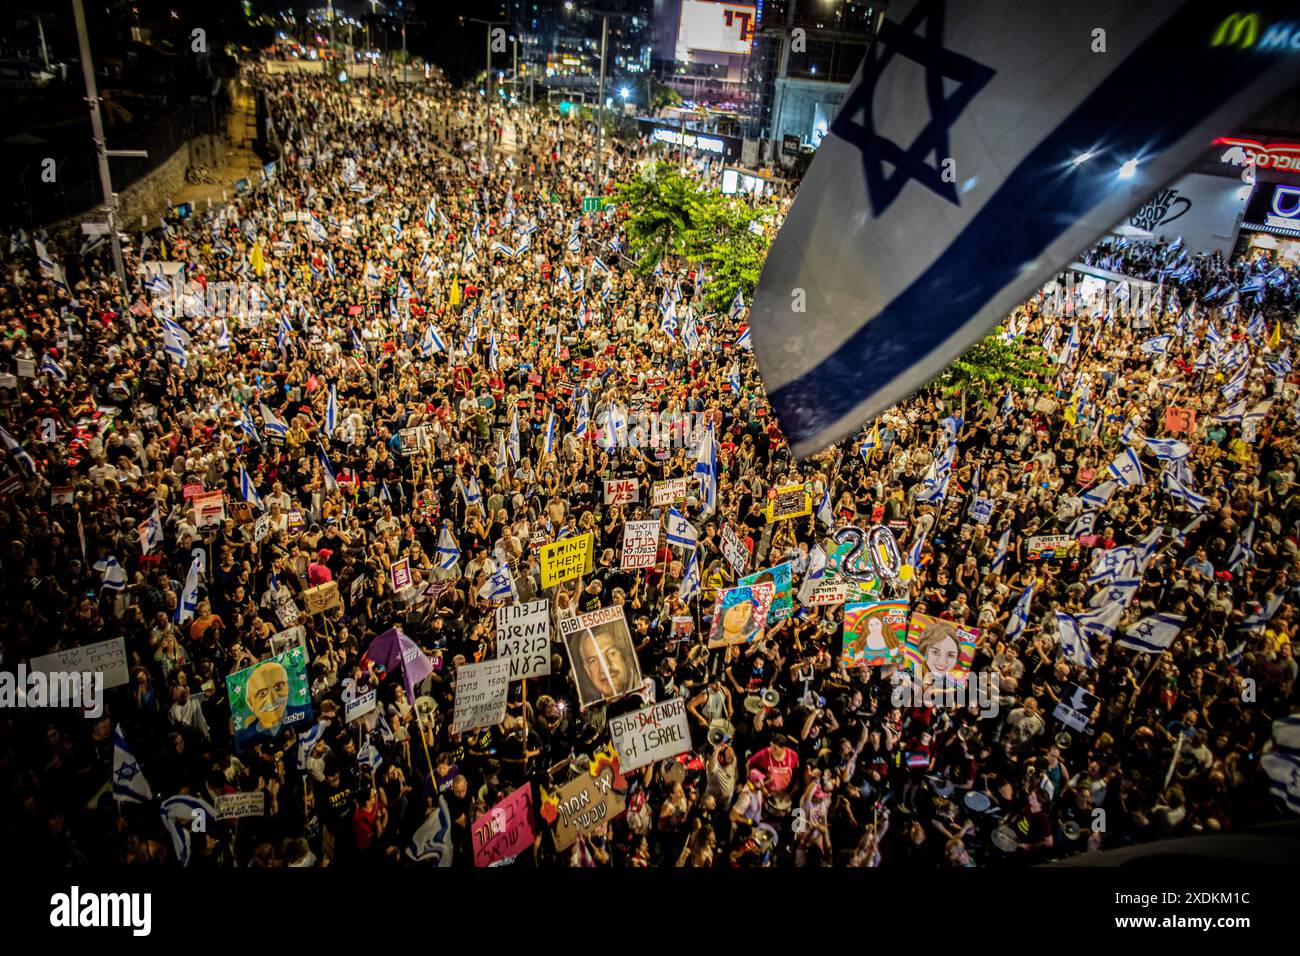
x,y
559,42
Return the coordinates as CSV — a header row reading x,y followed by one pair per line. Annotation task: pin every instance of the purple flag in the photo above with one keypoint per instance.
x,y
392,650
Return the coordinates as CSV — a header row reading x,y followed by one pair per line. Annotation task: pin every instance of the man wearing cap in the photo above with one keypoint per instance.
x,y
318,571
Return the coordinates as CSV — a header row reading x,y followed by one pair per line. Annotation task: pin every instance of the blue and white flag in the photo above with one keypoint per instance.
x,y
1182,492
1073,641
1234,413
1082,525
706,470
514,436
448,552
1157,345
1099,494
223,338
737,306
272,424
112,574
432,842
1260,618
598,266
1242,552
180,817
189,599
327,470
1127,469
744,340
471,492
500,586
332,412
151,533
914,553
548,442
903,258
1153,634
52,368
1019,619
1105,616
691,582
1168,449
1000,556
583,419
824,513
936,494
129,783
248,489
680,532
1282,764
176,342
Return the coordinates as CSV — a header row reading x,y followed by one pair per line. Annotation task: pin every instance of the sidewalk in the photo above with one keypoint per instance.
x,y
240,160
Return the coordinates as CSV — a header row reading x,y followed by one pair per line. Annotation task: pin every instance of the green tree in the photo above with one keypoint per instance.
x,y
725,242
983,372
663,207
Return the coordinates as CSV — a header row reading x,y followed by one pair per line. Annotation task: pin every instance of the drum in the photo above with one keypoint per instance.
x,y
977,801
778,806
1004,839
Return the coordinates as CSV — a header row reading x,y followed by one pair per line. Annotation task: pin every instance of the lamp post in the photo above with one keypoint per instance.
x,y
487,87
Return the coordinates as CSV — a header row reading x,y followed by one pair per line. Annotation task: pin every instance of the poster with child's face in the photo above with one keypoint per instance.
x,y
740,615
941,650
783,590
874,633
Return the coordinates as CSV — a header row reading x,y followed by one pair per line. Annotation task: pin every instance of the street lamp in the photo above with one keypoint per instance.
x,y
487,128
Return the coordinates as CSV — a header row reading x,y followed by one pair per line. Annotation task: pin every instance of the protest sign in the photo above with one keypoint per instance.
x,y
584,802
105,657
359,705
1075,709
789,501
740,615
356,589
734,550
322,598
939,649
1180,421
600,650
1050,547
288,638
505,830
640,543
981,510
480,695
209,509
826,592
651,734
62,495
622,491
682,629
286,611
232,806
268,697
400,574
566,559
874,633
782,606
524,638
667,492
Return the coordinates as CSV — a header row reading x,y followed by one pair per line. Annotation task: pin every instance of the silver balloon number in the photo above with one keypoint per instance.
x,y
885,559
849,567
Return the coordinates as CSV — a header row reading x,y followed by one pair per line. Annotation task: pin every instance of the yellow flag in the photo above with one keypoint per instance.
x,y
1072,413
454,294
1275,339
256,259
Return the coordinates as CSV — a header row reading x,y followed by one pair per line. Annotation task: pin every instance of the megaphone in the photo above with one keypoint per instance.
x,y
1063,740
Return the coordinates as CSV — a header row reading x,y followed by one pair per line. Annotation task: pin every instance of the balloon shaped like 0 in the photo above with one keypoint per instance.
x,y
885,559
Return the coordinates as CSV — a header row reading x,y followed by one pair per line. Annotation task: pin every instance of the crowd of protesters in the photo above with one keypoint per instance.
x,y
796,759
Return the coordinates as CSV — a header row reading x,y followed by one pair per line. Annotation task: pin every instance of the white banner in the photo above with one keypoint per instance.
x,y
651,734
640,542
480,695
524,638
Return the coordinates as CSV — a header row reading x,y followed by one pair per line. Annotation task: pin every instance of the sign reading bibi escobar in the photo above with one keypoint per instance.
x,y
654,733
565,559
600,650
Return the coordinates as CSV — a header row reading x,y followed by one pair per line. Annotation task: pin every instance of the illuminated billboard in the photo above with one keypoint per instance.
x,y
716,28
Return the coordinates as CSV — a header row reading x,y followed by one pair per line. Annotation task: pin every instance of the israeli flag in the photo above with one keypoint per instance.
x,y
332,412
1183,492
1232,391
1074,644
1261,617
514,436
1109,564
744,341
492,352
372,277
1099,494
1168,449
824,513
432,342
1104,618
1082,525
432,842
1282,366
448,551
1020,613
151,535
680,532
112,575
52,368
935,495
272,424
1008,404
548,445
1153,634
223,338
691,582
584,419
1157,345
180,815
189,601
1126,469
175,342
471,492
1256,415
953,137
1000,556
1242,552
505,250
1119,593
500,586
129,783
430,211
1070,348
1181,537
327,470
737,306
914,554
706,470
733,378
248,489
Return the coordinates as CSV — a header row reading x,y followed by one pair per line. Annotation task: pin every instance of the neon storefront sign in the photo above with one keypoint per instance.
x,y
1248,152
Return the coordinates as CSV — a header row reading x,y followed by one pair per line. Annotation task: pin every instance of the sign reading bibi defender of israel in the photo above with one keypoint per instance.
x,y
524,638
268,697
651,734
965,166
601,652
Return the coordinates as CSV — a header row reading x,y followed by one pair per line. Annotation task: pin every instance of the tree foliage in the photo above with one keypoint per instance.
x,y
984,371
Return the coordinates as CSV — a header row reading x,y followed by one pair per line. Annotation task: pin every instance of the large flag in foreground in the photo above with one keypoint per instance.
x,y
979,148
